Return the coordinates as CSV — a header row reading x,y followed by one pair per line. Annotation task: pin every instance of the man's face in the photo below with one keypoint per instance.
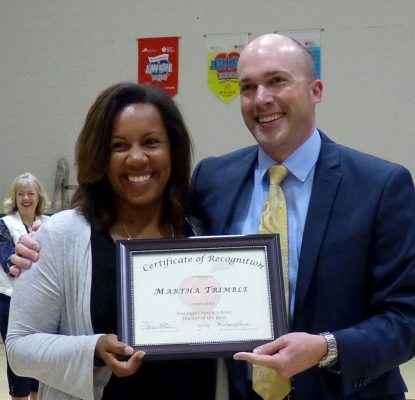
x,y
278,96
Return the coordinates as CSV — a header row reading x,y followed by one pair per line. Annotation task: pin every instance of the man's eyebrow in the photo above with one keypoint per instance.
x,y
267,75
244,80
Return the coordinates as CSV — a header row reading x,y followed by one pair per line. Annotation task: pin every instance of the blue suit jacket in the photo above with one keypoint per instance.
x,y
357,263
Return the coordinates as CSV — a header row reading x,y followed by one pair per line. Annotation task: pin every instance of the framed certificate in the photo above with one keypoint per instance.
x,y
200,296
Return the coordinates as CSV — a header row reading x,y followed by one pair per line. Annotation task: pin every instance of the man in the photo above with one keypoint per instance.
x,y
351,231
351,235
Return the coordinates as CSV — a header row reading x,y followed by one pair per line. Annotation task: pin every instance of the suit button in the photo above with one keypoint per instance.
x,y
361,383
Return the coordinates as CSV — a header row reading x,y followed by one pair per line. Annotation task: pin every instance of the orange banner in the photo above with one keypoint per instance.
x,y
158,62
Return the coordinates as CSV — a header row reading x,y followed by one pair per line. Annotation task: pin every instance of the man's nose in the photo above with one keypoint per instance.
x,y
263,95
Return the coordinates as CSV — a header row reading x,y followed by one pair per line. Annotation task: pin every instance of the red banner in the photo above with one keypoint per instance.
x,y
158,62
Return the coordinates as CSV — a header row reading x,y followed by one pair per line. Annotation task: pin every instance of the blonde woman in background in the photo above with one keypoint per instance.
x,y
24,206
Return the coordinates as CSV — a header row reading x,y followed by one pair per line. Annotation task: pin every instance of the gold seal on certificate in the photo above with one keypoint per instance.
x,y
200,296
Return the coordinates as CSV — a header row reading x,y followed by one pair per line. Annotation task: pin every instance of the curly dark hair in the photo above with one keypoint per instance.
x,y
94,196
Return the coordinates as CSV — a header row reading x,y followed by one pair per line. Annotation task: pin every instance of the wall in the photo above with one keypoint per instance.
x,y
57,55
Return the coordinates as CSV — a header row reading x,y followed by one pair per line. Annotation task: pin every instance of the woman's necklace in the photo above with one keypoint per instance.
x,y
129,237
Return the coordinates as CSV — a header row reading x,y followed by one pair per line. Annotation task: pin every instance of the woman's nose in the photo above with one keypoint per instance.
x,y
136,155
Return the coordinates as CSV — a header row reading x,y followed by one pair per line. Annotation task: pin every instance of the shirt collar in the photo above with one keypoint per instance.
x,y
299,163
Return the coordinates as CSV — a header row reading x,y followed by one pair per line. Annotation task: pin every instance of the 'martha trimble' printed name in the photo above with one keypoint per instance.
x,y
206,289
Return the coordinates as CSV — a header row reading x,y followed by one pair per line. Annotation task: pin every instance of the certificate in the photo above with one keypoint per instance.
x,y
200,296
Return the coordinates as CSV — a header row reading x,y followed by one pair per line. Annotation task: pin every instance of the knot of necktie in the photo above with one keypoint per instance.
x,y
277,174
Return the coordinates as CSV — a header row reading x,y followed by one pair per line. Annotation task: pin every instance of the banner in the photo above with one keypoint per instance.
x,y
158,62
222,59
311,40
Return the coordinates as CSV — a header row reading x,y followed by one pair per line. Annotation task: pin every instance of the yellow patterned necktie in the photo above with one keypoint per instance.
x,y
268,383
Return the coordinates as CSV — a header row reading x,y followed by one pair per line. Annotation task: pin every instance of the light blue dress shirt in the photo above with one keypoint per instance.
x,y
297,191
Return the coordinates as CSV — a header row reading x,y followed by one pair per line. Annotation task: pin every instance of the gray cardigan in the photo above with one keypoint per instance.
x,y
57,345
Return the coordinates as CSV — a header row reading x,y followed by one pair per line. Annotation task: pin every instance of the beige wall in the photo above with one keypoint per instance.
x,y
56,55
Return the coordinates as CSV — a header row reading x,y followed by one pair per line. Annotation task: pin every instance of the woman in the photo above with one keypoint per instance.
x,y
24,207
133,159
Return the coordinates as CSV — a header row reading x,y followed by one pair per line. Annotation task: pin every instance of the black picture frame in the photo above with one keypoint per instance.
x,y
243,274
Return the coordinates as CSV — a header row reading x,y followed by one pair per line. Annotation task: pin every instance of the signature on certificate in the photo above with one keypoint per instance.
x,y
233,325
162,325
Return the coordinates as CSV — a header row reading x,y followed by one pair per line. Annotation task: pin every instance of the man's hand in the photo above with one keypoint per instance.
x,y
26,252
108,348
289,354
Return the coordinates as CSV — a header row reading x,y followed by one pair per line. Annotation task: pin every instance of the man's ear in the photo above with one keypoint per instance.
x,y
317,90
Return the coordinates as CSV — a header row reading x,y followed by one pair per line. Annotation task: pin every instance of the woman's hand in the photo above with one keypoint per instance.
x,y
290,354
108,348
26,251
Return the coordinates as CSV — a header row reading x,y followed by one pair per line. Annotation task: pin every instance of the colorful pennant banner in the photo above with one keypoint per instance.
x,y
222,58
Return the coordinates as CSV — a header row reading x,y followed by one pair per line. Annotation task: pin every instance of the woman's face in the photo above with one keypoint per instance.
x,y
27,200
140,164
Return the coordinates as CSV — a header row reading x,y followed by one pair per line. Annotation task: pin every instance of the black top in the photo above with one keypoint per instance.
x,y
155,380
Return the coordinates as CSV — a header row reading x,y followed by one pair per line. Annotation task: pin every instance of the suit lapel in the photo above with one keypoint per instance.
x,y
240,178
326,182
